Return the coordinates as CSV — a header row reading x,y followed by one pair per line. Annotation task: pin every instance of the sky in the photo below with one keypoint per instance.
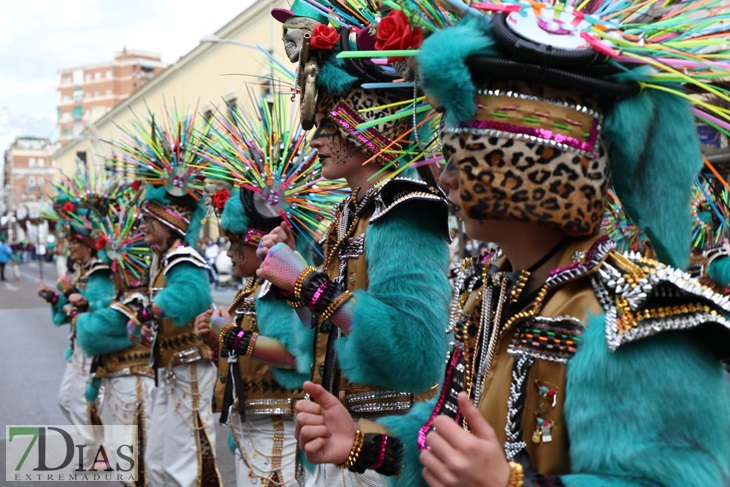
x,y
40,37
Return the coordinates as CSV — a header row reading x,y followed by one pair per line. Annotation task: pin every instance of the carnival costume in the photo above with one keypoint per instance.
x,y
262,153
379,302
580,379
81,196
122,368
165,155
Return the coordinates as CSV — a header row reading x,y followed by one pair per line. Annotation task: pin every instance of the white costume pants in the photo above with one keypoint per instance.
x,y
265,450
181,426
72,399
329,475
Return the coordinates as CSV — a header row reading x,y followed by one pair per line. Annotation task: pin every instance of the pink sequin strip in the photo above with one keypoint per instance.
x,y
545,134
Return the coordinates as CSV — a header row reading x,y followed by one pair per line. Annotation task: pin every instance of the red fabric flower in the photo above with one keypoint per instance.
x,y
395,32
324,37
219,199
68,207
101,242
136,185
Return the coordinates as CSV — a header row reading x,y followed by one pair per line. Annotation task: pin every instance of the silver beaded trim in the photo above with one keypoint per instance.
x,y
662,282
514,443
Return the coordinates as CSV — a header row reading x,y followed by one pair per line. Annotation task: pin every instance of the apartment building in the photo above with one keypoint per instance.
x,y
88,92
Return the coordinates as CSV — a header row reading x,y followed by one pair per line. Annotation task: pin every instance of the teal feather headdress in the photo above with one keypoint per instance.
x,y
261,150
164,154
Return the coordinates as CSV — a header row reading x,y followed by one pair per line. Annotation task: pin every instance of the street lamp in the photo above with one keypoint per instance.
x,y
219,40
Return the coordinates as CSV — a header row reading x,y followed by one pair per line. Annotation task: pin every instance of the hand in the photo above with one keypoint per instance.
x,y
78,300
202,328
280,234
282,266
43,287
324,429
458,458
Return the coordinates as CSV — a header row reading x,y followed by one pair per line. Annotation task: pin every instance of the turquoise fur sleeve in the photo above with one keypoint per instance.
x,y
99,290
102,331
186,293
397,339
57,315
405,428
276,319
655,412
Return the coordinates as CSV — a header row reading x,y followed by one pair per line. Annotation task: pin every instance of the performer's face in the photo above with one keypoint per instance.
x,y
156,235
243,257
339,157
78,251
449,180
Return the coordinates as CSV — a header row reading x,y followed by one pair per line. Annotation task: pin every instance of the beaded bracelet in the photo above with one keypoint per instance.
x,y
236,340
300,281
318,293
335,305
222,334
355,451
381,453
516,475
251,343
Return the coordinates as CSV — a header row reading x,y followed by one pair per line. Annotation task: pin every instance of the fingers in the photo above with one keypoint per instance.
x,y
477,424
289,235
320,395
435,473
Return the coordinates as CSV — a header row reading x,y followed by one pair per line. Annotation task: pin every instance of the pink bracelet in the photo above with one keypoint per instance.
x,y
238,339
381,457
318,293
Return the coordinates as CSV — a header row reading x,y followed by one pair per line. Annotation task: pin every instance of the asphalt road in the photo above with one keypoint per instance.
x,y
31,361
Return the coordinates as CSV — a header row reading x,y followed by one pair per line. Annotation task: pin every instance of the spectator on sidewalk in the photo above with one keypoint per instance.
x,y
5,255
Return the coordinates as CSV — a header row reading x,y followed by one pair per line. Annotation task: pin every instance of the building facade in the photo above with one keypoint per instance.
x,y
88,92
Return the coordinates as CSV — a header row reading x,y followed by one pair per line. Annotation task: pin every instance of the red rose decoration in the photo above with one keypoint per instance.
x,y
136,185
324,37
68,207
219,199
101,242
395,32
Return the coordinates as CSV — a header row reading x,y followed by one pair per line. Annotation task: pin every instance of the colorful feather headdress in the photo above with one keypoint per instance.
x,y
88,193
645,61
261,149
121,243
376,105
164,154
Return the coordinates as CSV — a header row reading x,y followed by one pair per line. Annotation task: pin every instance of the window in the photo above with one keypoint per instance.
x,y
31,162
41,181
109,73
31,181
97,75
78,112
98,93
78,96
87,77
108,92
41,162
66,98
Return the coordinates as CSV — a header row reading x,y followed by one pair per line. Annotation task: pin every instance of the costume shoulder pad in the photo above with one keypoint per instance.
x,y
183,253
399,190
97,265
131,302
643,297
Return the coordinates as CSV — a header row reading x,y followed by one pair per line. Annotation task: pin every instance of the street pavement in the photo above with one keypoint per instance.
x,y
31,361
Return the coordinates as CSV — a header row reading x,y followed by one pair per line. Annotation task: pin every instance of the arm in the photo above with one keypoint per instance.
x,y
102,331
282,328
398,322
673,401
99,290
186,293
